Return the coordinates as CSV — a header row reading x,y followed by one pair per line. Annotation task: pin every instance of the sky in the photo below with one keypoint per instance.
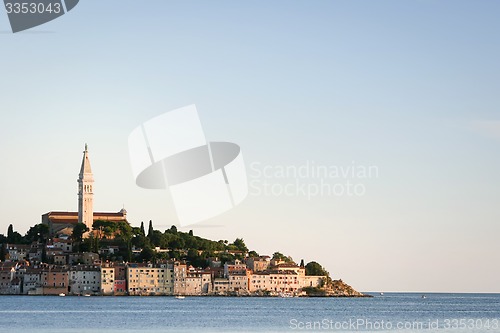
x,y
409,88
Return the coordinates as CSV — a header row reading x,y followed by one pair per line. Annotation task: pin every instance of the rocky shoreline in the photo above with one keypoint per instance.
x,y
334,288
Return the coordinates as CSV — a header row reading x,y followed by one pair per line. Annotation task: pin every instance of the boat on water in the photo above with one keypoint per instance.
x,y
180,297
423,296
381,294
62,294
86,295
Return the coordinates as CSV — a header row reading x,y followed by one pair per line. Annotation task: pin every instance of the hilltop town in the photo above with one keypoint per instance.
x,y
130,261
100,253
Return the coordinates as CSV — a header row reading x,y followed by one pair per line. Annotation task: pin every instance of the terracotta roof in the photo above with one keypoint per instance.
x,y
72,217
288,265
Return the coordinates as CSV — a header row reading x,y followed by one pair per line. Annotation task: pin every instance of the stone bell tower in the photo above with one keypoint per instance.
x,y
85,192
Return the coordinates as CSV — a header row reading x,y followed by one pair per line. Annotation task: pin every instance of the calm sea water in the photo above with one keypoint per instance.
x,y
389,313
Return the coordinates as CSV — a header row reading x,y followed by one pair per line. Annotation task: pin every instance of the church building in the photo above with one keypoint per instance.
x,y
63,222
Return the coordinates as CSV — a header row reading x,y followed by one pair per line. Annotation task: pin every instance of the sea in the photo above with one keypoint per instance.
x,y
391,312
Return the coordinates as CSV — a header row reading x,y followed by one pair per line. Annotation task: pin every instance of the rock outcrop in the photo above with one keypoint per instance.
x,y
334,288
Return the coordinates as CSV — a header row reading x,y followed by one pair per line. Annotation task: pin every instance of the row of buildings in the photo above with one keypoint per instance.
x,y
255,276
54,269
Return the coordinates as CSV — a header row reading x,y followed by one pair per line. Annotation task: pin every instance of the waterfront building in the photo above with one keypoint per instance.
x,y
32,284
275,281
180,274
113,278
120,287
54,280
107,279
239,281
149,280
85,279
7,275
221,285
198,282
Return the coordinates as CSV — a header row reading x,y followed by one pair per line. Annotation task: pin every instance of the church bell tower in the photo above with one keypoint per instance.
x,y
85,192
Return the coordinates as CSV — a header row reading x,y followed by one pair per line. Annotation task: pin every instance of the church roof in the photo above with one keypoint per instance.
x,y
85,169
72,217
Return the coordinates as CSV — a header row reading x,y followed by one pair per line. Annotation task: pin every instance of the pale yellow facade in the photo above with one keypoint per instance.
x,y
150,280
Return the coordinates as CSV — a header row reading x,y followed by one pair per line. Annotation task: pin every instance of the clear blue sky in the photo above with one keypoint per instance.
x,y
409,86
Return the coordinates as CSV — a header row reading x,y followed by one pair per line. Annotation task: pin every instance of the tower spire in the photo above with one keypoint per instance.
x,y
85,192
86,169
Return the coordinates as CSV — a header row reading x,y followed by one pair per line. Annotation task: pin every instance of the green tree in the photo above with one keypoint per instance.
x,y
77,235
2,252
43,232
240,245
147,254
313,268
156,238
281,256
253,254
16,238
136,231
87,244
109,229
10,234
172,230
191,233
140,241
44,254
150,229
125,230
32,235
226,257
78,231
142,229
177,243
97,226
104,229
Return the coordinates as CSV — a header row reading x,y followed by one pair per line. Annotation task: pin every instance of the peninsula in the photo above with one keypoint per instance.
x,y
100,253
116,259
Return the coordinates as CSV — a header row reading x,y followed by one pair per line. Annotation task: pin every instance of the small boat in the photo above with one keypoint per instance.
x,y
180,297
381,294
86,295
423,296
62,294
